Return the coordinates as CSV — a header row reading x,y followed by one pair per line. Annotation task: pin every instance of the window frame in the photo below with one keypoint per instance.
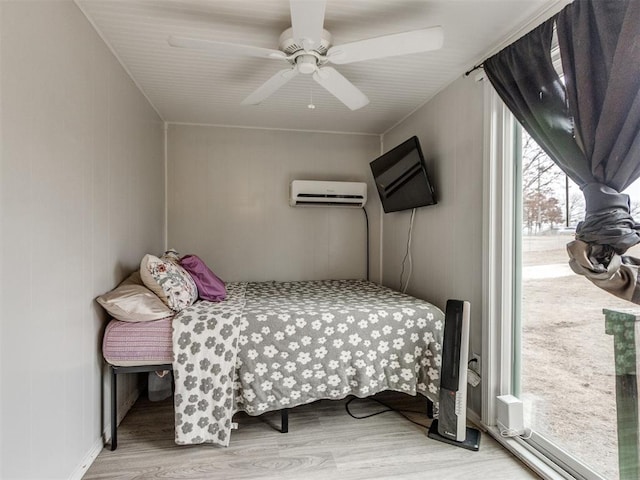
x,y
501,285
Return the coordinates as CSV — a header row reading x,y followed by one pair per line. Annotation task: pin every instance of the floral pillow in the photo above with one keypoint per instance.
x,y
171,255
169,281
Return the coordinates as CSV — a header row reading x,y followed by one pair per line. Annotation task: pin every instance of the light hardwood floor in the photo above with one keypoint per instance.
x,y
323,442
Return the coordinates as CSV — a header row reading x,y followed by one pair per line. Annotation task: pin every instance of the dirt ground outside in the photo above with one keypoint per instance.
x,y
568,377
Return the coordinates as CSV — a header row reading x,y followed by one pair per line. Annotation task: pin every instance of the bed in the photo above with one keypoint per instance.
x,y
275,345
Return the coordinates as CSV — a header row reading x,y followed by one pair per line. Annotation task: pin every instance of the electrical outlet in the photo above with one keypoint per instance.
x,y
475,363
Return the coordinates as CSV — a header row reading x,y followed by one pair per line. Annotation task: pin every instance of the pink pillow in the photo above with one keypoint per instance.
x,y
210,287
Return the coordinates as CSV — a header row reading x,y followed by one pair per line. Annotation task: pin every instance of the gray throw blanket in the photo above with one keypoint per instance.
x,y
274,345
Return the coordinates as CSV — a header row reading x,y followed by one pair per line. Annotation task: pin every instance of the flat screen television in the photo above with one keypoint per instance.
x,y
401,178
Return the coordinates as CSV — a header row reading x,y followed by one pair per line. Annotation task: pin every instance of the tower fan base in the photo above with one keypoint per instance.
x,y
471,442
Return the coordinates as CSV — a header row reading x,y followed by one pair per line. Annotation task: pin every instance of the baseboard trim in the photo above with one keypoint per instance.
x,y
105,438
88,460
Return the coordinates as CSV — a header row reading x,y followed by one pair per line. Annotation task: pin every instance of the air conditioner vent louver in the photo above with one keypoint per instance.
x,y
312,193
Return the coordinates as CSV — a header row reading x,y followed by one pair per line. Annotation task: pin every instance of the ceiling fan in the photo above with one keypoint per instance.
x,y
307,47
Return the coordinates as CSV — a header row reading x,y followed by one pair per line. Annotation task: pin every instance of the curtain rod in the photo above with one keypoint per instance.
x,y
542,16
475,67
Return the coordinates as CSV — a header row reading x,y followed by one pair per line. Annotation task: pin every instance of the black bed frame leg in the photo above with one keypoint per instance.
x,y
429,408
284,420
114,410
117,370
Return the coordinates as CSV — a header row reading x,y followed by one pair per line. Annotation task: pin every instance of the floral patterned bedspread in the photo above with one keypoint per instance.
x,y
205,341
274,345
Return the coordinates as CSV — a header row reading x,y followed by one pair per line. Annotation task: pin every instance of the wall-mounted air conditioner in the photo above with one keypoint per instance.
x,y
314,193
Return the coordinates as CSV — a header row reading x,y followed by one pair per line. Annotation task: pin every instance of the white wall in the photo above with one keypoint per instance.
x,y
82,194
229,204
447,237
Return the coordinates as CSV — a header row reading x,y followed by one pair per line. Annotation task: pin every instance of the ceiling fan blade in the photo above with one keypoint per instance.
x,y
270,86
414,41
336,84
307,20
224,47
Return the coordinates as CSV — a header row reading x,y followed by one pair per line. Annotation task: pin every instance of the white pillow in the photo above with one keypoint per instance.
x,y
133,302
169,281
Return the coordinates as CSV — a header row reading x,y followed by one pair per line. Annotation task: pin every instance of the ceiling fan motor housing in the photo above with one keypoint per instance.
x,y
290,46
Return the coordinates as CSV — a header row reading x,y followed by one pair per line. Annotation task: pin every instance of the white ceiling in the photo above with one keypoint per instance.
x,y
195,86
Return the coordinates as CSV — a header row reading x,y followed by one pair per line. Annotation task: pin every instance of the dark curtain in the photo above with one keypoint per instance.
x,y
589,125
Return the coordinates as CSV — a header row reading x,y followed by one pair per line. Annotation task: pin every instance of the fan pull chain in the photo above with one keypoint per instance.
x,y
311,105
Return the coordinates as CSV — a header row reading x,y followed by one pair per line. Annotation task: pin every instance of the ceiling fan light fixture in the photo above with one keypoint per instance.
x,y
306,64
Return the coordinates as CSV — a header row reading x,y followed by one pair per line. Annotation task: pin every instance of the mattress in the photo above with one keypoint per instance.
x,y
127,344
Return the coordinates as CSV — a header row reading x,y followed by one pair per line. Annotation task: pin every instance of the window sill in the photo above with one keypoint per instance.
x,y
532,459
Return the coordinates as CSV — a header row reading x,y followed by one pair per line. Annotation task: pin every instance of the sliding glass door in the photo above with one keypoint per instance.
x,y
564,361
